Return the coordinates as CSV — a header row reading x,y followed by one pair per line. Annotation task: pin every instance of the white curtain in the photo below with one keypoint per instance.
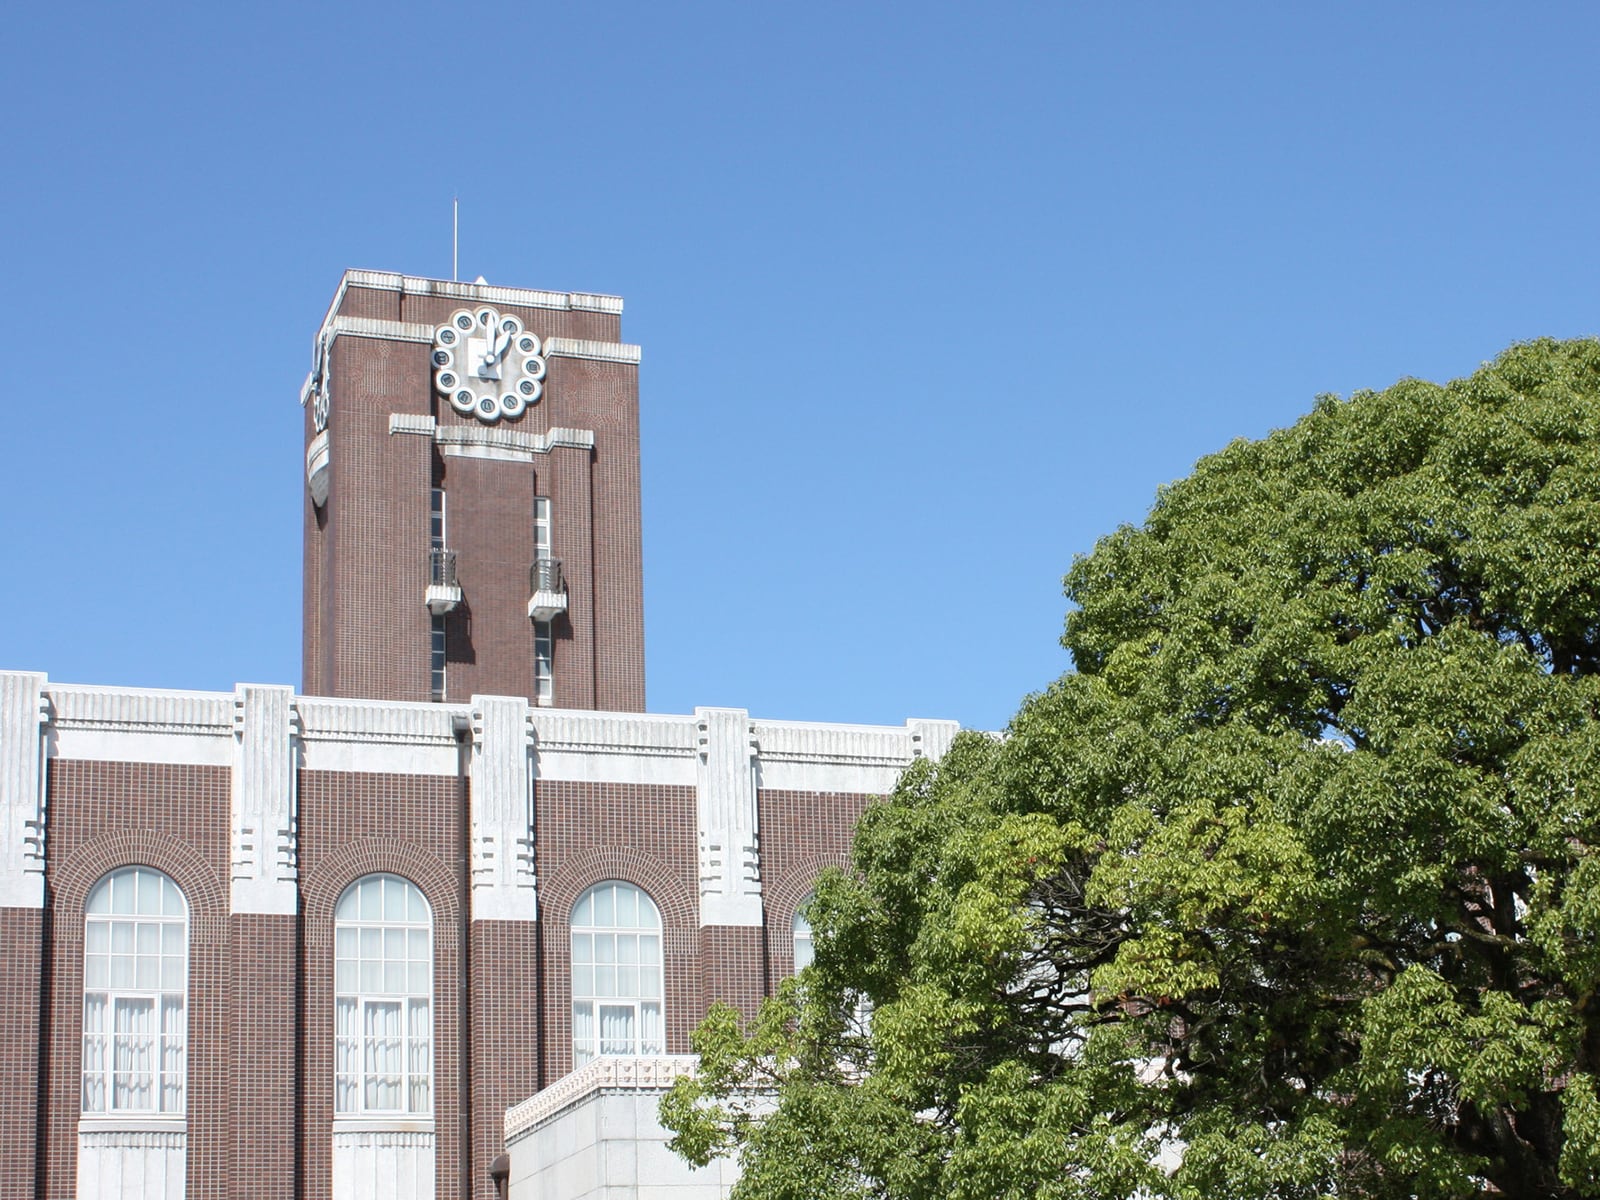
x,y
652,1040
419,1067
132,1054
385,1061
582,1033
172,1057
617,1029
346,1057
94,1053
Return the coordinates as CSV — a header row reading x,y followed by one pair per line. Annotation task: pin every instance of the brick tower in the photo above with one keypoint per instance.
x,y
472,509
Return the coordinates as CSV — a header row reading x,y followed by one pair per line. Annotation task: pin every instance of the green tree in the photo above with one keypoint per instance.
x,y
1291,889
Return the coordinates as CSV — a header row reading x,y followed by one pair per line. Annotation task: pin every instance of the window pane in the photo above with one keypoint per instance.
x,y
171,899
651,1038
96,937
147,937
122,887
616,1029
372,943
95,972
582,1033
416,907
371,899
604,906
122,937
582,948
605,947
172,938
627,914
417,945
394,900
132,1054
149,893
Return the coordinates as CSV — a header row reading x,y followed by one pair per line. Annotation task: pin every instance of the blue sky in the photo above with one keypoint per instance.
x,y
931,296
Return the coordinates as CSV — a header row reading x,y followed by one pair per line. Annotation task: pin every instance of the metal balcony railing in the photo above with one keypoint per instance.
x,y
548,589
545,576
442,568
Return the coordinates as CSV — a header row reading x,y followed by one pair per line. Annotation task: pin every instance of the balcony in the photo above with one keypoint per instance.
x,y
549,589
444,593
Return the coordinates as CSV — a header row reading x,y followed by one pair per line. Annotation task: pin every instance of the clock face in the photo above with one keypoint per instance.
x,y
487,365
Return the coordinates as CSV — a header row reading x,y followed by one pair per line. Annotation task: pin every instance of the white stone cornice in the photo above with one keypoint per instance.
x,y
412,423
378,737
608,1073
415,285
147,725
477,441
417,331
617,352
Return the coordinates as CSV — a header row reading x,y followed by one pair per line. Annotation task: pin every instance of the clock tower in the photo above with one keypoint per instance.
x,y
472,496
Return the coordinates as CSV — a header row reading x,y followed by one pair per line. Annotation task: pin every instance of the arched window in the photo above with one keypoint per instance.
x,y
383,999
804,950
135,993
616,973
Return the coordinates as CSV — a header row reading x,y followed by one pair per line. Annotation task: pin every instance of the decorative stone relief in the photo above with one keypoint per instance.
x,y
23,714
265,846
504,884
725,787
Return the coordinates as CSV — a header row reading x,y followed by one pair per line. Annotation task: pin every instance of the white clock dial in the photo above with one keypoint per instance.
x,y
487,365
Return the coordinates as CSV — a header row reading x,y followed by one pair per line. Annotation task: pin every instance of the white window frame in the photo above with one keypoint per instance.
x,y
383,962
541,528
135,958
617,974
544,679
436,635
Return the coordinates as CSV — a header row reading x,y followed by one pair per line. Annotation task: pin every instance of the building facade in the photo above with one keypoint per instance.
x,y
315,943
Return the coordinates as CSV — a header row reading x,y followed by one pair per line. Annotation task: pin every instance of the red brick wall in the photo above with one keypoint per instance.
x,y
264,1068
366,631
377,523
354,825
175,819
505,1032
22,932
589,832
801,834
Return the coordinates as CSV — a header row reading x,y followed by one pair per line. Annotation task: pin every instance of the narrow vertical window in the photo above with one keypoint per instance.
x,y
383,999
544,684
805,951
541,528
436,544
616,973
135,994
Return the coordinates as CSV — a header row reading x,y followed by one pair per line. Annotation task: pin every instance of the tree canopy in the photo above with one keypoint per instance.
x,y
1291,888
